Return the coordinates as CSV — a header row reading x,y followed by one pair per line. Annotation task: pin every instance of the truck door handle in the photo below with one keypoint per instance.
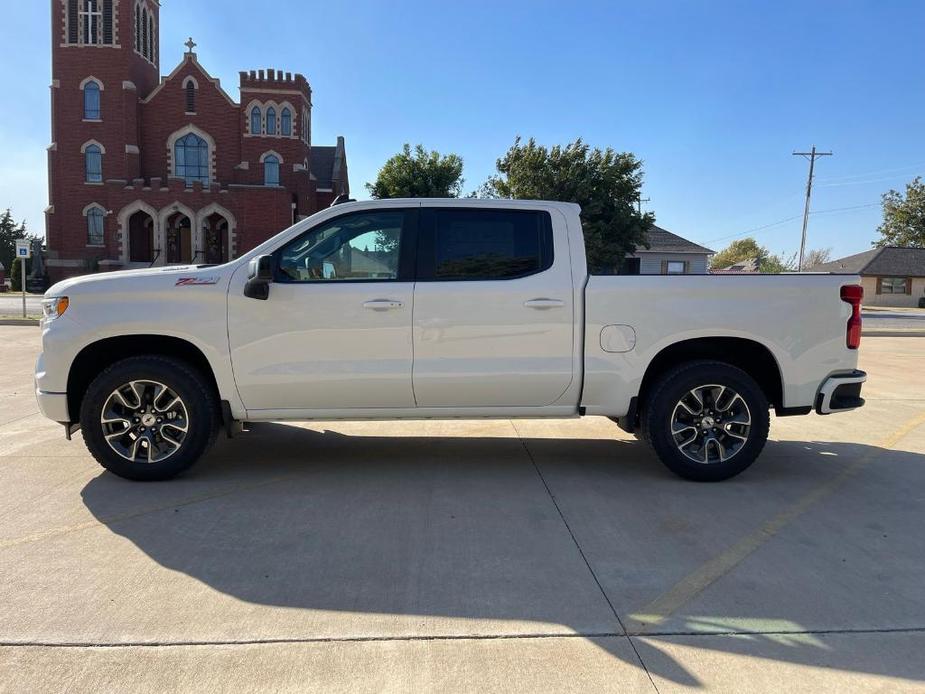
x,y
542,304
382,304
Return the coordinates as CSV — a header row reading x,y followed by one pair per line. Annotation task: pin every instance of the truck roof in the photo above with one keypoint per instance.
x,y
468,202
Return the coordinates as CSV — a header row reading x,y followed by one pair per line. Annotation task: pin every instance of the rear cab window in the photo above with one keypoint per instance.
x,y
459,244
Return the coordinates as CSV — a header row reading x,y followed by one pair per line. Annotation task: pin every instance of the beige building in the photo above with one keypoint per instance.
x,y
891,276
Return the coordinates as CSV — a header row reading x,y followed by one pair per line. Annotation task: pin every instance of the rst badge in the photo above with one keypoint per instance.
x,y
195,281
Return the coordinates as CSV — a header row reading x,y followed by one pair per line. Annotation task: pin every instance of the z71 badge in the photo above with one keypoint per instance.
x,y
193,281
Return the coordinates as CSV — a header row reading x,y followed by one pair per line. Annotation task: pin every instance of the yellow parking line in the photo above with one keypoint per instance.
x,y
694,583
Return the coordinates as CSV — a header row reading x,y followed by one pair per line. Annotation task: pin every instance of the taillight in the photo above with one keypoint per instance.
x,y
852,294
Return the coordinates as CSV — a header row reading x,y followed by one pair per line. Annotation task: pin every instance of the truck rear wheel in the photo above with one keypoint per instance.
x,y
149,417
706,420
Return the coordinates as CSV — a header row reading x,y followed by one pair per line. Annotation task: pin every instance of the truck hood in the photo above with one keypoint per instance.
x,y
143,279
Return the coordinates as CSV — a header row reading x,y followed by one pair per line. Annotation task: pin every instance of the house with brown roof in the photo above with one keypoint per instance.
x,y
667,254
891,276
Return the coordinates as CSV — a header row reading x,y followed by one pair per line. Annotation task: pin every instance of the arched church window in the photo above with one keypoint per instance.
x,y
255,121
271,170
92,101
191,97
271,121
93,161
191,159
95,236
285,122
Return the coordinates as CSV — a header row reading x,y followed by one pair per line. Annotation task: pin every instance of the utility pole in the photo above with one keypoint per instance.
x,y
639,202
811,156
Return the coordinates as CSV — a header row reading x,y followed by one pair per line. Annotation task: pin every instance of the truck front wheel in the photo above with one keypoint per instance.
x,y
706,420
149,417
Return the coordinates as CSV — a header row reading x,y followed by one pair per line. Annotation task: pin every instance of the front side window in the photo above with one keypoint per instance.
x,y
285,122
362,246
893,285
191,159
271,171
674,267
271,121
93,160
91,101
255,120
94,226
486,244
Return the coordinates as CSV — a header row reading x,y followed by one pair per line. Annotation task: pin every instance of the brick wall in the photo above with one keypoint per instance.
x,y
140,113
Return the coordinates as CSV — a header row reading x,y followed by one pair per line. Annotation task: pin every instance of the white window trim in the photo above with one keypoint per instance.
x,y
292,117
88,143
270,153
247,113
186,130
91,78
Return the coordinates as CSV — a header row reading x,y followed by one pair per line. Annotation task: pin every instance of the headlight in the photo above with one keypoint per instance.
x,y
54,306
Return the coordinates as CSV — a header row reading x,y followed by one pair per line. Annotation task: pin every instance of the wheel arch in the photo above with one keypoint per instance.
x,y
98,355
751,356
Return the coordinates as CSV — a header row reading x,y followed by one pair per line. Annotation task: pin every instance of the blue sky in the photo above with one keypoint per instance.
x,y
712,95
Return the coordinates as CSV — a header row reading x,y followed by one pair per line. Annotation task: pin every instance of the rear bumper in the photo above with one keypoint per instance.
x,y
53,405
841,393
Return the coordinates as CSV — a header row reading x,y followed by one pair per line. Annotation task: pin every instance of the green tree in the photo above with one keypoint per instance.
x,y
737,251
605,183
904,217
9,233
768,263
15,273
419,174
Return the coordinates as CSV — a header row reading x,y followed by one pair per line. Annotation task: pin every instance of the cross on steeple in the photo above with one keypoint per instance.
x,y
190,44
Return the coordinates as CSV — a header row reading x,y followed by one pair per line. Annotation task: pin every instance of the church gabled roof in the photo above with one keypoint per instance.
x,y
189,57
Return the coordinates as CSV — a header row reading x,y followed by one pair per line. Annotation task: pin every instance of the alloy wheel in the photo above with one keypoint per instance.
x,y
710,424
144,421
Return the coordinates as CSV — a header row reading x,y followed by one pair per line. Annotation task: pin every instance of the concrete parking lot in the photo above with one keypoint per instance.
x,y
469,556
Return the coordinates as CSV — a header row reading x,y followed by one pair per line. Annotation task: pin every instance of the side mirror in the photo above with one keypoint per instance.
x,y
259,276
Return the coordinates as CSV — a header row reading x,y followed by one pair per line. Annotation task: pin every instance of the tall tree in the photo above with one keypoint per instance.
x,y
904,217
9,233
605,183
419,174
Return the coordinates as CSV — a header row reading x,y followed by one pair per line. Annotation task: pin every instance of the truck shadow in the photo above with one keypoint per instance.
x,y
460,535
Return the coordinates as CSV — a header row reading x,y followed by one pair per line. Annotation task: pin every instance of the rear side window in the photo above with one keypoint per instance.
x,y
466,244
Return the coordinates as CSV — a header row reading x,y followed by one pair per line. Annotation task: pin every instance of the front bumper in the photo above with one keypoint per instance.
x,y
53,405
841,393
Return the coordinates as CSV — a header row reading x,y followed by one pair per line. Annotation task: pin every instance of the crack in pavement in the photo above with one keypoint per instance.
x,y
582,554
442,637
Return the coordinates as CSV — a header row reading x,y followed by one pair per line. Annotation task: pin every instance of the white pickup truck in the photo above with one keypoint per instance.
x,y
414,309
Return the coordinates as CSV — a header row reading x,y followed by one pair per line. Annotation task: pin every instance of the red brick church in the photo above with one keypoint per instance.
x,y
145,170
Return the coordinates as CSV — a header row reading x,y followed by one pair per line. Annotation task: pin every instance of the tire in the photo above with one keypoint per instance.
x,y
173,399
719,449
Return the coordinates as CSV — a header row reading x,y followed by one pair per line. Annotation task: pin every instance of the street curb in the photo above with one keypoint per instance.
x,y
912,332
19,321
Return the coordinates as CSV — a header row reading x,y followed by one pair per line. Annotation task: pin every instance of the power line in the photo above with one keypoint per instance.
x,y
811,156
863,181
740,234
871,173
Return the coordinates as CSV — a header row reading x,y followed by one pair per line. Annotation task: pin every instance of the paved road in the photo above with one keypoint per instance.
x,y
514,556
11,304
892,320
